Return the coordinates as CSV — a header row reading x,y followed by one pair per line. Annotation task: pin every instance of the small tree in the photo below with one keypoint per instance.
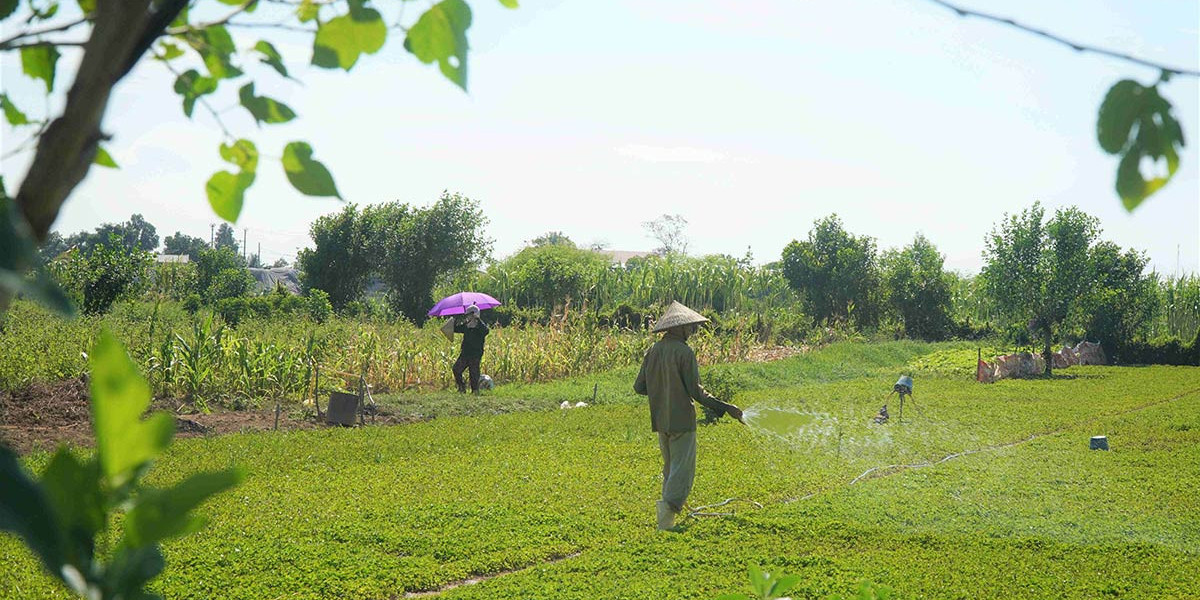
x,y
1124,299
1037,273
135,234
545,276
836,272
417,246
225,238
234,282
338,262
107,274
220,273
917,288
181,244
552,238
671,233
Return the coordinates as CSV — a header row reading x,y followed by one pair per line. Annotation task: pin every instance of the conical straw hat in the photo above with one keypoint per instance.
x,y
448,329
678,314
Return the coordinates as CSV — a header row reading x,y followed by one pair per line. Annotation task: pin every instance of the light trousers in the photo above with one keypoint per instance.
x,y
679,466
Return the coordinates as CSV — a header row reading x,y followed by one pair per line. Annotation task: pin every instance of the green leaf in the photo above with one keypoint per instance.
x,y
74,492
39,62
784,584
308,176
87,7
191,85
1130,185
263,108
758,580
124,442
162,514
25,511
45,13
226,193
1120,109
8,7
104,159
509,3
131,568
271,57
441,34
181,20
169,51
242,153
340,41
307,11
1136,122
215,46
12,114
18,256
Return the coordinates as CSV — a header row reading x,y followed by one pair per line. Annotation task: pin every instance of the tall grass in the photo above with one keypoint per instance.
x,y
1179,308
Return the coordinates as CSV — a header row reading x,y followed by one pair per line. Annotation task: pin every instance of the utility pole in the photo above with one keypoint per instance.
x,y
212,239
245,230
260,260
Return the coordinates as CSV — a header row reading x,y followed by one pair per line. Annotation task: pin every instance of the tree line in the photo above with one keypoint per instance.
x,y
1047,278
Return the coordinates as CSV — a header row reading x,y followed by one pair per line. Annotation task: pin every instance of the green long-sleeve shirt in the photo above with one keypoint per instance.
x,y
670,376
472,341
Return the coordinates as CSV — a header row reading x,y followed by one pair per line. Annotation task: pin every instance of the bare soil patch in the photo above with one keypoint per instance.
x,y
44,415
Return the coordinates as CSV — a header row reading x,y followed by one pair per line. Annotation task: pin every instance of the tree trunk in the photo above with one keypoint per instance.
x,y
1047,354
122,32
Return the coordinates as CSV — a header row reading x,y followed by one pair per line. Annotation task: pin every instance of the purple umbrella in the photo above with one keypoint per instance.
x,y
458,303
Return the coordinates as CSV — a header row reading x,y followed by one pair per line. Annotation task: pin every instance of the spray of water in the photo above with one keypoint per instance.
x,y
815,431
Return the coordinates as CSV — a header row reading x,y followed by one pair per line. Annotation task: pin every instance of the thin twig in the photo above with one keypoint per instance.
x,y
29,141
283,26
203,101
42,43
241,8
1076,46
7,44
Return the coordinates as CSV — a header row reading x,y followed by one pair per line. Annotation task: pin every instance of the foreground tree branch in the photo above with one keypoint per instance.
x,y
67,149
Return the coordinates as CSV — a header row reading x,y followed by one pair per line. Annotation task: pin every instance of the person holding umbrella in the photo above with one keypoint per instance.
x,y
473,330
670,376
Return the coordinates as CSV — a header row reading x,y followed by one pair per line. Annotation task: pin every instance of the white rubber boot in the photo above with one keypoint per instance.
x,y
666,516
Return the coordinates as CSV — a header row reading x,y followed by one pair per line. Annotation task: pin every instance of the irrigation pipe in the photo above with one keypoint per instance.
x,y
942,460
703,511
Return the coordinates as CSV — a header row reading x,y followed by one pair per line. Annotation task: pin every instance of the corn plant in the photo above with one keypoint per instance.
x,y
199,358
1179,312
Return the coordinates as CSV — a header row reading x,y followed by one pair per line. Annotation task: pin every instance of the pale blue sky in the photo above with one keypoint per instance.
x,y
750,119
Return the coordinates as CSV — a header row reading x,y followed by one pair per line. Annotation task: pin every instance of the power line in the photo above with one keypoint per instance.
x,y
1076,46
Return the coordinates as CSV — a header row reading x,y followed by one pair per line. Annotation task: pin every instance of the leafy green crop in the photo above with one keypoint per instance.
x,y
62,516
560,504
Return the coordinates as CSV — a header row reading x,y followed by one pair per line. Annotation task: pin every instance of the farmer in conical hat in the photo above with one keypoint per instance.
x,y
670,376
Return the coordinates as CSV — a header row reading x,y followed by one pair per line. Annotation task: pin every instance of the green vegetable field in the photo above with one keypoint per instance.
x,y
983,491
